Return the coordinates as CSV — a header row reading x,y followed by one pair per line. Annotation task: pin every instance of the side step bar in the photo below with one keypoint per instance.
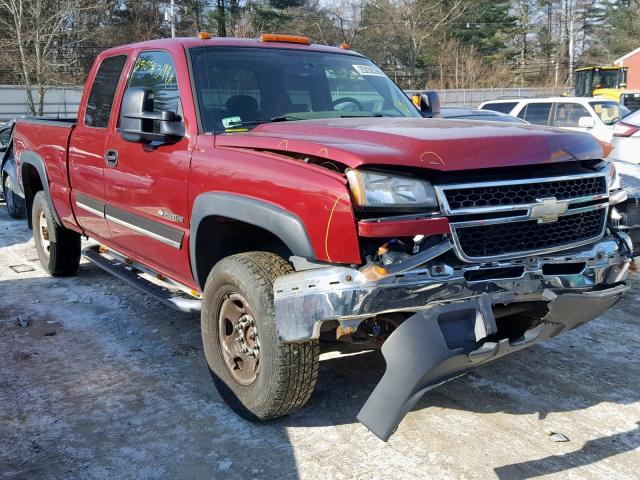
x,y
132,274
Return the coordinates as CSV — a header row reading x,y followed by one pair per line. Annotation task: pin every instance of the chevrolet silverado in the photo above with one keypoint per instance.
x,y
292,193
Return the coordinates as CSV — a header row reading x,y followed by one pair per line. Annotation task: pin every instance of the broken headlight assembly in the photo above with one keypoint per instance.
x,y
389,191
616,193
613,177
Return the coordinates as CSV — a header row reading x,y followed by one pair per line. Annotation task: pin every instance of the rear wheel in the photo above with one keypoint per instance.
x,y
58,247
257,375
15,203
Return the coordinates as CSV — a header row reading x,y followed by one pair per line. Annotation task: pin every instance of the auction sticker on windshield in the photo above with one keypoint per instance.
x,y
369,70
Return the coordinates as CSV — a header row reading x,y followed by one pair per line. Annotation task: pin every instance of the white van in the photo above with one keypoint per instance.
x,y
585,114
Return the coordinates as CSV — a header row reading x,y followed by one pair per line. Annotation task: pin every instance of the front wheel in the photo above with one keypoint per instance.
x,y
58,247
256,374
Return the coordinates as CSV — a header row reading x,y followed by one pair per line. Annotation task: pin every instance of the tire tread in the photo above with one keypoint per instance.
x,y
298,363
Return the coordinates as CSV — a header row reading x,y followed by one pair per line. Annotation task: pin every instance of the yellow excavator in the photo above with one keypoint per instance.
x,y
606,82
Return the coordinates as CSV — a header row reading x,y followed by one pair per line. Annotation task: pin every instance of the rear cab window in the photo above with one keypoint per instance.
x,y
100,102
502,107
536,113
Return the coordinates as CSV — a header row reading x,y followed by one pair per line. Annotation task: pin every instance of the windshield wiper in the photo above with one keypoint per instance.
x,y
365,116
285,118
290,118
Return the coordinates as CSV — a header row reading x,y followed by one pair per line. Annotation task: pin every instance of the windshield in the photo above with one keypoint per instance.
x,y
609,112
239,88
606,79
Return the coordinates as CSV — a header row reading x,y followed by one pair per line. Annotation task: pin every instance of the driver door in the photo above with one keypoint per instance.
x,y
147,184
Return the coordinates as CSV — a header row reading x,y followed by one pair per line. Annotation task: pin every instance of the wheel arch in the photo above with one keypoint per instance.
x,y
224,224
34,179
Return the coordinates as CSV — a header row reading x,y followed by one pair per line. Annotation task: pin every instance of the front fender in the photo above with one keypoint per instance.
x,y
283,224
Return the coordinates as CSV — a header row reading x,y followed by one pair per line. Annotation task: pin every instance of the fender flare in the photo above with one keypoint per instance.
x,y
283,224
34,160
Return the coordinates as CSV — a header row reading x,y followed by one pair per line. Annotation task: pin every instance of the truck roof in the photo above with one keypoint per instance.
x,y
190,42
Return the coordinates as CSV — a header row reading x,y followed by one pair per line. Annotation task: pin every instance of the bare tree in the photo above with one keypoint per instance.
x,y
409,25
39,32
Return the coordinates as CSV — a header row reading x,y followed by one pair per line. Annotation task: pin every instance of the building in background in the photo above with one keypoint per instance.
x,y
632,61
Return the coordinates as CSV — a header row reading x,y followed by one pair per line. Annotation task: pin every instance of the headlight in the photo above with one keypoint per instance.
x,y
384,190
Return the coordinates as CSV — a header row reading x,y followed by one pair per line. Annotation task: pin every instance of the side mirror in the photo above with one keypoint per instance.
x,y
428,103
139,123
586,122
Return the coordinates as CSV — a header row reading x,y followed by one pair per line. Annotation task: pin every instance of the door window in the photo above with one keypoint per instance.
x,y
156,71
103,90
568,114
536,113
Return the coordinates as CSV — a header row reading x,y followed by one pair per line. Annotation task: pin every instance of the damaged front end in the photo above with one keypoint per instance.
x,y
452,323
464,299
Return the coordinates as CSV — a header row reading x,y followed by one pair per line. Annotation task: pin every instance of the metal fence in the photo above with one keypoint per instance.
x,y
472,97
63,102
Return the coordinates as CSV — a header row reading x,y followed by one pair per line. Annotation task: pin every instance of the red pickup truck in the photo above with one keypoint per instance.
x,y
293,193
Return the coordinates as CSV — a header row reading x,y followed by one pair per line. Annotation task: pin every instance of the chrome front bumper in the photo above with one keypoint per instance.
x,y
306,299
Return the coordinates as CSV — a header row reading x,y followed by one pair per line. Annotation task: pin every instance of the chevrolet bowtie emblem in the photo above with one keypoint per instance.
x,y
549,209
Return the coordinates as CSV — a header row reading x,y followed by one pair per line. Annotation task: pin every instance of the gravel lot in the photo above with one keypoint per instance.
x,y
104,382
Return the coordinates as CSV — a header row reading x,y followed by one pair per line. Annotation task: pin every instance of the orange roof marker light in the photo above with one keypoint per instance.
x,y
273,37
345,46
204,35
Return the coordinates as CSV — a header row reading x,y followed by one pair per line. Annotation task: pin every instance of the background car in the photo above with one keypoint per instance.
x,y
11,188
464,113
626,139
592,115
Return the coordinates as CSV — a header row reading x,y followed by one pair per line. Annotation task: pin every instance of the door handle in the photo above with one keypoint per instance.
x,y
111,158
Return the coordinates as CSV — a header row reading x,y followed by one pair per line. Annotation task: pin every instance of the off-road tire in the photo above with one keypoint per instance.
x,y
63,255
288,372
15,203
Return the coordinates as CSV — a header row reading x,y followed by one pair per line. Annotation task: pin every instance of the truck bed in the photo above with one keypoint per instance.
x,y
41,146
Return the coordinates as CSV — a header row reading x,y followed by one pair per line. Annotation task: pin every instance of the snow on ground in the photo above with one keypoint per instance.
x,y
629,177
105,383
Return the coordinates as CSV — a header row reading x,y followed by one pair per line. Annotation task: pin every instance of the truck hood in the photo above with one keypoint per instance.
x,y
444,145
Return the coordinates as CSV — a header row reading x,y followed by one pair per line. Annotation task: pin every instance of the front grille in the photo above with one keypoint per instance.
x,y
505,238
524,193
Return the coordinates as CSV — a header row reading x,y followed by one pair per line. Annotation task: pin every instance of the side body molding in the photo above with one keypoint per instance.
x,y
283,224
34,160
